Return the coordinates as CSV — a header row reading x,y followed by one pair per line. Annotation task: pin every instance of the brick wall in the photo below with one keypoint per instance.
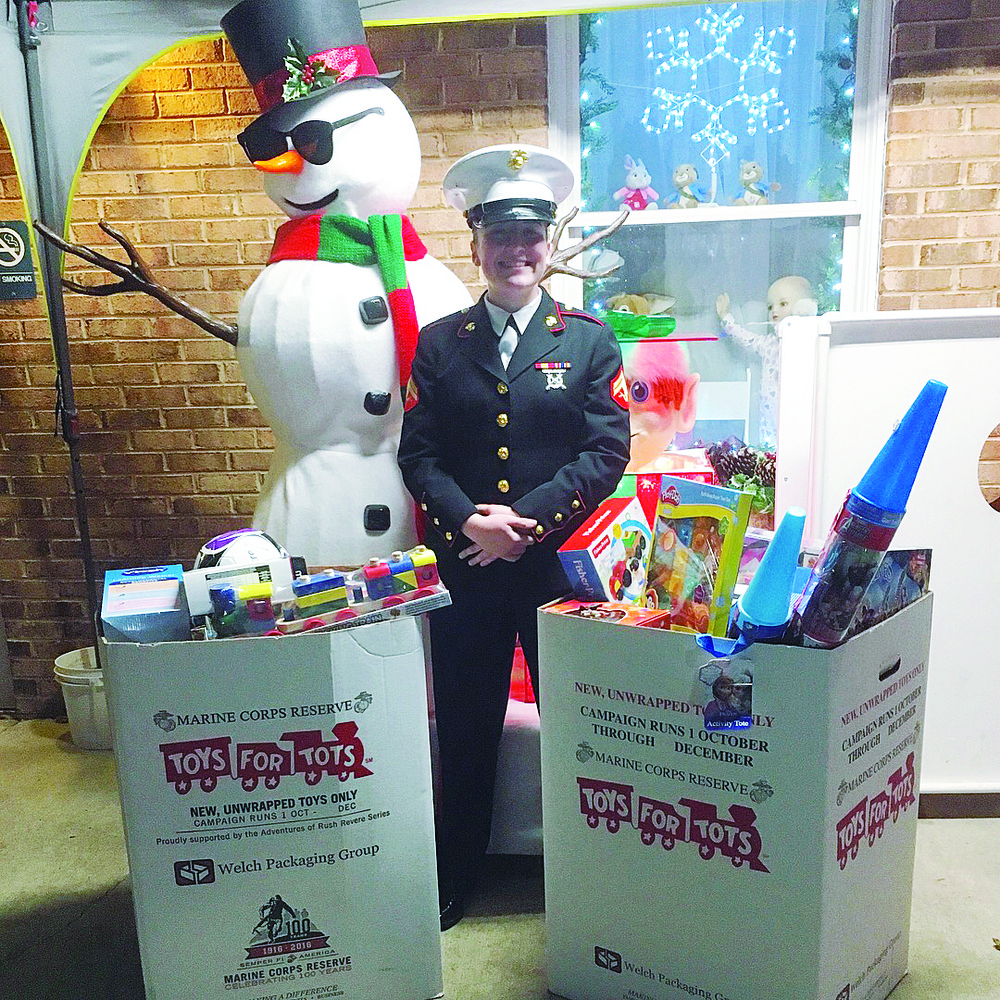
x,y
941,229
989,469
36,525
174,449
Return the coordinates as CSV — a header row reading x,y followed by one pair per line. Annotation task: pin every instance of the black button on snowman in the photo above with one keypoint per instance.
x,y
326,332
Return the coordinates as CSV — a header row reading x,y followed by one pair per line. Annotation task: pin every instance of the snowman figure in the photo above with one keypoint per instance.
x,y
328,329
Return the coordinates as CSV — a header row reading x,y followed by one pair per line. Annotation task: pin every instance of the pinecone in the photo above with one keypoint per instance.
x,y
767,468
721,458
745,461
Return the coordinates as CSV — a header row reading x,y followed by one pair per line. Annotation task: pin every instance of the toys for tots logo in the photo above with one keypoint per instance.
x,y
307,753
615,804
868,818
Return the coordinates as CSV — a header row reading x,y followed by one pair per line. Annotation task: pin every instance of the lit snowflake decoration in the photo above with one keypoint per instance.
x,y
764,109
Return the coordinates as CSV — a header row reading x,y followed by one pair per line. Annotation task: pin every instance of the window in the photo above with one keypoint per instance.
x,y
748,141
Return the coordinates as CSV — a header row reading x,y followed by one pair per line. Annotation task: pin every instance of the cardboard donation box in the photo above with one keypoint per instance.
x,y
278,814
773,862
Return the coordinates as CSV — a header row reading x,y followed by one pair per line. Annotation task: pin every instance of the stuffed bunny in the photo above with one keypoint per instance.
x,y
637,193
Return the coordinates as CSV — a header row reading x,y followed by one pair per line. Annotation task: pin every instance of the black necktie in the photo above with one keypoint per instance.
x,y
508,341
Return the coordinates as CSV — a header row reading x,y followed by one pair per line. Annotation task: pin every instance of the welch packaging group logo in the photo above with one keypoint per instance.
x,y
199,872
605,958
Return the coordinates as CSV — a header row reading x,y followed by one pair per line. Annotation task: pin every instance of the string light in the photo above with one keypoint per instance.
x,y
765,110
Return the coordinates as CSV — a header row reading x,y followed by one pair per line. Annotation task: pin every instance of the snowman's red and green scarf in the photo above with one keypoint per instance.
x,y
386,240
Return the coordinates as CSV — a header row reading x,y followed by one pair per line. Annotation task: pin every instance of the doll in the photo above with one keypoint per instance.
x,y
663,399
791,295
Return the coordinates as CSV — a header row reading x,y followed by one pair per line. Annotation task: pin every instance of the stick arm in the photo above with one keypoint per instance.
x,y
134,277
559,261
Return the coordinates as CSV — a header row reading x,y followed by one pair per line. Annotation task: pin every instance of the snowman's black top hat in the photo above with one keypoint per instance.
x,y
323,41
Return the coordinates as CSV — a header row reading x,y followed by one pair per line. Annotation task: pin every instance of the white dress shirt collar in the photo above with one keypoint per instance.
x,y
498,316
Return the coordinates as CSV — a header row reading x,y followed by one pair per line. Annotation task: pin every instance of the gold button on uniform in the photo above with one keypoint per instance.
x,y
423,506
502,419
501,388
503,486
437,522
539,529
557,516
576,503
448,536
503,453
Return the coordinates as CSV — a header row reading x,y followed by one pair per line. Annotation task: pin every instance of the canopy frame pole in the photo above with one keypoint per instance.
x,y
67,416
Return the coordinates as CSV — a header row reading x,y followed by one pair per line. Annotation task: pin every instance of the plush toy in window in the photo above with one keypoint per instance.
x,y
755,191
646,304
637,193
689,193
633,317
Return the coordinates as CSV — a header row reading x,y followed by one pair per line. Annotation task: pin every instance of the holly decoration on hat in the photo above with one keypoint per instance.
x,y
306,74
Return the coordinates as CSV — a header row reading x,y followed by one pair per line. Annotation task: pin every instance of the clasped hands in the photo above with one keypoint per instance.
x,y
497,532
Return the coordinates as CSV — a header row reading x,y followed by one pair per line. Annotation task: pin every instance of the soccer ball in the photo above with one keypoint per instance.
x,y
239,548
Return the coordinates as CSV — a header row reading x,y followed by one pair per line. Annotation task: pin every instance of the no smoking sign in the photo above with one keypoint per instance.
x,y
17,269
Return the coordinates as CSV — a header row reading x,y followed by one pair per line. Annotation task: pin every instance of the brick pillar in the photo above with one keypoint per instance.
x,y
941,228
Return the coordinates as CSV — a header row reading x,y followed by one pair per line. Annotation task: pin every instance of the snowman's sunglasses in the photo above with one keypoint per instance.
x,y
312,140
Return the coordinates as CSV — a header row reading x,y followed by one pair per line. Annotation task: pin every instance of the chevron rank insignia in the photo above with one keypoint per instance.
x,y
412,396
619,389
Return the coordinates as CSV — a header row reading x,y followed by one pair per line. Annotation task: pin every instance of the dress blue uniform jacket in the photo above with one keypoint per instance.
x,y
548,436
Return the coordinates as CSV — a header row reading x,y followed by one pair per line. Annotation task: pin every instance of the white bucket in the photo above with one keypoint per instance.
x,y
82,683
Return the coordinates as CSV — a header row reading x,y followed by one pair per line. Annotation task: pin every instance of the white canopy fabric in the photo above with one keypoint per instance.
x,y
94,46
14,109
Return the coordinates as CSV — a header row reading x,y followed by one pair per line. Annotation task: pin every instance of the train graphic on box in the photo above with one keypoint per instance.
x,y
312,755
614,804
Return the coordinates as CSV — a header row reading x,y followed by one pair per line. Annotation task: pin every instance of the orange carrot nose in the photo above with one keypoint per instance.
x,y
287,163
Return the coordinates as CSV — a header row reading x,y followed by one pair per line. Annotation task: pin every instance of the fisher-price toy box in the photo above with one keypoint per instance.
x,y
278,811
768,863
606,558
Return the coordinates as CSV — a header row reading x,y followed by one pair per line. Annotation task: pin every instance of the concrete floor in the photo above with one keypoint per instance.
x,y
67,930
